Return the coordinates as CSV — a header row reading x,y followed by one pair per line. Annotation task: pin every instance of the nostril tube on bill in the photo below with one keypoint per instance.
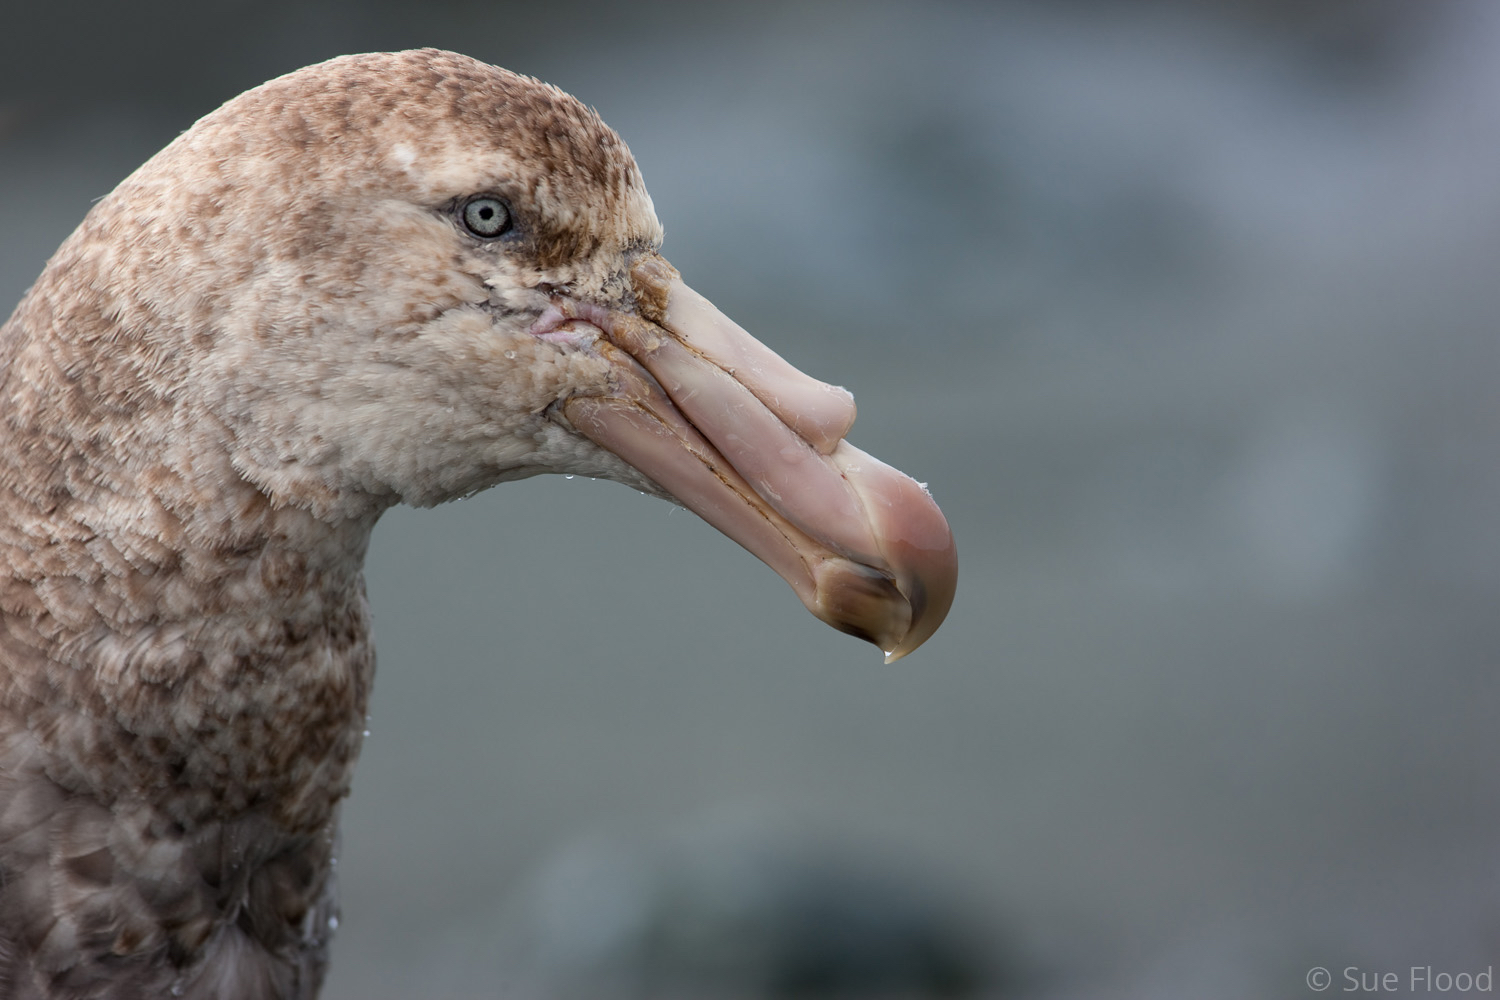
x,y
819,412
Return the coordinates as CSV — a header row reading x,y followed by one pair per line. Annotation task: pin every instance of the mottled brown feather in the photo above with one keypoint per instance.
x,y
258,342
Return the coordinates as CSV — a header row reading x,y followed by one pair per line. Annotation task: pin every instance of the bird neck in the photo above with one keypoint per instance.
x,y
170,635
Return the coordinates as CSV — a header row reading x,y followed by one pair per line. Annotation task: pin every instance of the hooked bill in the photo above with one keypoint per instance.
x,y
756,448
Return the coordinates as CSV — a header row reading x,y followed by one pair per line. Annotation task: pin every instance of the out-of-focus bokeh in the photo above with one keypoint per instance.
x,y
1187,313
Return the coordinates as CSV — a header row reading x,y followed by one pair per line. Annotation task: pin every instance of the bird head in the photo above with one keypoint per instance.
x,y
407,277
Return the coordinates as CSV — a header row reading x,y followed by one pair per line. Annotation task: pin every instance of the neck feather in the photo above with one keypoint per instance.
x,y
170,634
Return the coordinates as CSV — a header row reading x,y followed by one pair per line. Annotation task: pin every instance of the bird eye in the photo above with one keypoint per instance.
x,y
486,217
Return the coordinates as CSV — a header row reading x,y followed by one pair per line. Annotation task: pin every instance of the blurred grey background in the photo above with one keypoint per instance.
x,y
1187,314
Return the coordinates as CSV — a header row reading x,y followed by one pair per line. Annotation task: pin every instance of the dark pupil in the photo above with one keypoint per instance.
x,y
486,213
